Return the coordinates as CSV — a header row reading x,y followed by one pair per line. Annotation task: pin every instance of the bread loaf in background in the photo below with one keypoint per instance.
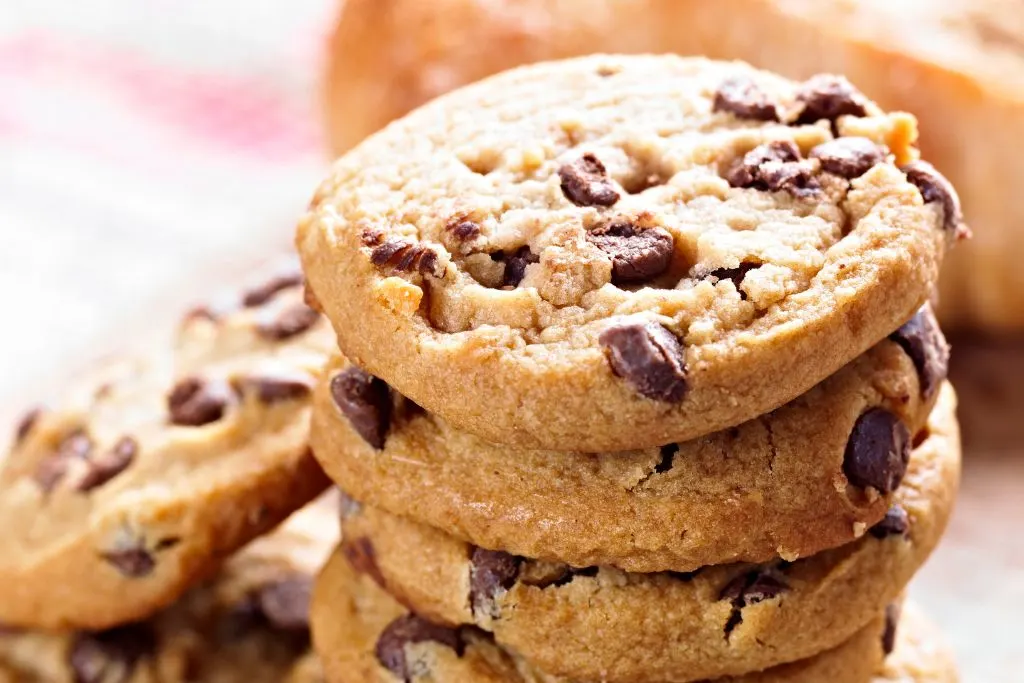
x,y
958,65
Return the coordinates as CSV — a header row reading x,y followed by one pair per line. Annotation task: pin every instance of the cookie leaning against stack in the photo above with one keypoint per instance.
x,y
717,268
151,474
248,624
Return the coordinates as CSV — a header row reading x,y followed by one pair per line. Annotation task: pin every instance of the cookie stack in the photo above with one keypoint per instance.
x,y
134,514
639,382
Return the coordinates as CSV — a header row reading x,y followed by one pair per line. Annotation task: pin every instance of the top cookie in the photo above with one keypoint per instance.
x,y
148,476
618,252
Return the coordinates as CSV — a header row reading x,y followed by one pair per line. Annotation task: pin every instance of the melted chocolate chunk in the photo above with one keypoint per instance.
x,y
493,572
76,446
585,182
110,656
848,157
935,187
257,296
743,97
515,266
895,523
407,630
278,388
288,323
776,166
638,254
922,340
194,402
749,589
26,424
735,275
360,554
366,402
285,603
667,459
133,563
109,465
649,357
826,96
406,256
878,451
464,230
892,621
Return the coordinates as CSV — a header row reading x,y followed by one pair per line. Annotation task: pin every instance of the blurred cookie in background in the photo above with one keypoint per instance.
x,y
989,376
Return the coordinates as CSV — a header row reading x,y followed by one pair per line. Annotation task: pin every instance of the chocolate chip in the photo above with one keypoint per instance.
x,y
76,446
895,523
407,256
194,402
892,621
754,587
749,589
775,166
366,402
826,96
848,157
685,577
492,573
637,254
742,96
667,458
648,356
407,630
371,237
109,465
935,187
288,323
585,182
110,656
134,562
736,275
464,230
878,451
515,266
277,388
26,423
285,603
260,295
360,554
922,340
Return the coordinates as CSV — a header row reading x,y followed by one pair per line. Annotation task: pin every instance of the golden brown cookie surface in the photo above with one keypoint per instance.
x,y
605,624
812,475
615,252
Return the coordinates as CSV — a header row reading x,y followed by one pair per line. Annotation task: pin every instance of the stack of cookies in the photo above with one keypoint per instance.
x,y
134,513
639,382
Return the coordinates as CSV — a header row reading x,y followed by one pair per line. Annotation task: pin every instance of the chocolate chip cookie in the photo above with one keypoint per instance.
x,y
812,475
619,252
364,635
604,624
249,624
149,476
918,653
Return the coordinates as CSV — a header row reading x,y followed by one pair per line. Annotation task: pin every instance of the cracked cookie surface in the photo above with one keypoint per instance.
x,y
613,252
248,624
812,475
605,624
148,475
364,635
